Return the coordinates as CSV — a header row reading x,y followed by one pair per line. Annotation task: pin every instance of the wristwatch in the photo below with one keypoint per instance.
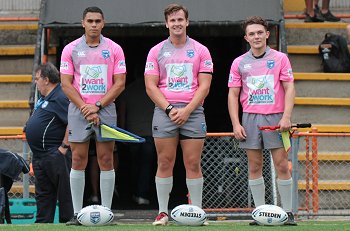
x,y
168,109
63,145
99,105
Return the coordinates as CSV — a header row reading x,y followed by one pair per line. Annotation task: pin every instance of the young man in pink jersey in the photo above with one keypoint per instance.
x,y
93,75
263,80
178,75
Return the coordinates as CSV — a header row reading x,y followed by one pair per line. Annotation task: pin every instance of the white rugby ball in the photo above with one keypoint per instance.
x,y
190,215
269,215
95,215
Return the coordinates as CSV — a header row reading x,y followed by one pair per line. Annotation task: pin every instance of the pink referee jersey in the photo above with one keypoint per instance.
x,y
262,91
92,67
178,68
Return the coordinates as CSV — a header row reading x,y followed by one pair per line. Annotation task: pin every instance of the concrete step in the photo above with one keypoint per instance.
x,y
321,84
326,156
321,110
322,101
314,88
306,62
18,33
331,165
323,115
14,112
15,87
334,139
18,78
300,33
327,185
18,26
302,49
322,76
21,50
329,202
15,64
14,117
11,104
15,130
15,91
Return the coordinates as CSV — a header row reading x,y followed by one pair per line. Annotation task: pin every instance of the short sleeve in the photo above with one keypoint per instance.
x,y
286,73
235,79
67,66
152,67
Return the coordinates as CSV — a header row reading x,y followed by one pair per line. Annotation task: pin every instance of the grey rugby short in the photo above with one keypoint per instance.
x,y
257,139
163,127
77,124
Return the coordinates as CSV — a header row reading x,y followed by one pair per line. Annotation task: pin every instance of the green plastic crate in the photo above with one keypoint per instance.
x,y
23,211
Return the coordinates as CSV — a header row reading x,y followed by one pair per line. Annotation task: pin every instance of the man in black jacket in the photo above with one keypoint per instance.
x,y
48,139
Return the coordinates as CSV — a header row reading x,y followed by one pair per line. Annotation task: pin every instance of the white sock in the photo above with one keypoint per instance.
x,y
77,185
285,190
164,186
107,182
195,188
257,186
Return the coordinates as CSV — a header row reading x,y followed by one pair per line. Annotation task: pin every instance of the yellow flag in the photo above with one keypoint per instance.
x,y
108,132
286,140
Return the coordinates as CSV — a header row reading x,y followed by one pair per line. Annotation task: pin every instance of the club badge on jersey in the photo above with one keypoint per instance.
x,y
105,54
190,53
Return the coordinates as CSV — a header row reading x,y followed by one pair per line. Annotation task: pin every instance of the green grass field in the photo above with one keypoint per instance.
x,y
220,226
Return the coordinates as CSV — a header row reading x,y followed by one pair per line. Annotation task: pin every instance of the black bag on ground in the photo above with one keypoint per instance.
x,y
335,54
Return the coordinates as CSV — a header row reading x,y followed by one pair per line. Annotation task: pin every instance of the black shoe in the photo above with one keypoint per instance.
x,y
73,221
290,220
253,223
318,13
330,17
315,18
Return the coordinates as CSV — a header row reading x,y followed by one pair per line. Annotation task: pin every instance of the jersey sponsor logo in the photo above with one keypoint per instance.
x,y
179,76
93,72
121,64
167,54
178,70
81,54
149,66
208,64
64,65
261,90
270,64
247,66
105,54
190,53
290,72
93,79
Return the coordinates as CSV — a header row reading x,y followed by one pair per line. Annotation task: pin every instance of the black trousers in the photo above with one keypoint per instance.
x,y
52,185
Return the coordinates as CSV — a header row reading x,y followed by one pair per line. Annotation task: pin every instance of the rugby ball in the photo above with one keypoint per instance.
x,y
269,215
95,215
190,215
